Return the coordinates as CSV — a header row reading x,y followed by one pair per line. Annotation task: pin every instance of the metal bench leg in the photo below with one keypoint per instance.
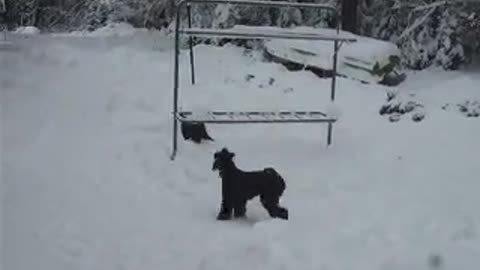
x,y
190,44
329,135
174,146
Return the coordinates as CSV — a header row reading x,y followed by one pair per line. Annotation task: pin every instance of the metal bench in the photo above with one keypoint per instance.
x,y
244,32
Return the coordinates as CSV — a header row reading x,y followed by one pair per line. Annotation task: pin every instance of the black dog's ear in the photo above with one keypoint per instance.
x,y
231,155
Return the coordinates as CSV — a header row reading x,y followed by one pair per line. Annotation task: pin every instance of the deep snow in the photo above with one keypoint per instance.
x,y
86,131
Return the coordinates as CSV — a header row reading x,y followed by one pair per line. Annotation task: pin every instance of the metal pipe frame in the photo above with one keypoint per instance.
x,y
259,3
190,43
182,3
266,121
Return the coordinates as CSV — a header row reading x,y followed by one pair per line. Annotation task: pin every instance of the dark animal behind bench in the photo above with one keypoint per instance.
x,y
195,131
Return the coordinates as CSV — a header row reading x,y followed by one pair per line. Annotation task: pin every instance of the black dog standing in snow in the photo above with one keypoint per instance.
x,y
239,186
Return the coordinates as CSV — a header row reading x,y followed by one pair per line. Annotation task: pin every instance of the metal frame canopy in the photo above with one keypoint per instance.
x,y
230,117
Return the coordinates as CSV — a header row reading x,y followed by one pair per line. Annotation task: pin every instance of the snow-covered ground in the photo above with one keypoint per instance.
x,y
86,138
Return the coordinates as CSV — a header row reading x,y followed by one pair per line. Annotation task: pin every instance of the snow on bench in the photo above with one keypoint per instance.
x,y
267,32
219,117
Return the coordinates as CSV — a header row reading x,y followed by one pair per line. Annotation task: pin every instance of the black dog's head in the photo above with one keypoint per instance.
x,y
221,159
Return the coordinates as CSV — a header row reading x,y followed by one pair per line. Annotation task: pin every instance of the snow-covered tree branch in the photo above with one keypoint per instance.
x,y
428,32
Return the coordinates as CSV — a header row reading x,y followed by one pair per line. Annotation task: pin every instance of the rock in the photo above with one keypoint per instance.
x,y
288,90
384,109
410,106
249,77
395,117
462,108
391,95
417,117
469,108
473,114
271,81
396,107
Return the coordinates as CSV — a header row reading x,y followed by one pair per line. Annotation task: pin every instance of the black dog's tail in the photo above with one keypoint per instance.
x,y
277,179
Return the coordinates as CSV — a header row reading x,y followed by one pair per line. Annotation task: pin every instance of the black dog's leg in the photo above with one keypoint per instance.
x,y
227,205
274,210
225,211
240,209
282,212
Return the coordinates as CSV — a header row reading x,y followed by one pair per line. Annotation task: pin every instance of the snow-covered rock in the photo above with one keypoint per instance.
x,y
27,30
398,105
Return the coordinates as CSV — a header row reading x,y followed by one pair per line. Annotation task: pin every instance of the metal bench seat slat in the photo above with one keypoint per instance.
x,y
254,117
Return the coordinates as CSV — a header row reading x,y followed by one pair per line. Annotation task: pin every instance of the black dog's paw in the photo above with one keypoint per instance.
x,y
240,215
283,213
224,215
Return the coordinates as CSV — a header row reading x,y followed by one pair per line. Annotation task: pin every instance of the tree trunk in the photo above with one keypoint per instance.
x,y
349,15
3,6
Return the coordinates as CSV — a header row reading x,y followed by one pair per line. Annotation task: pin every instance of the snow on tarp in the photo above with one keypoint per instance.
x,y
243,31
355,59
